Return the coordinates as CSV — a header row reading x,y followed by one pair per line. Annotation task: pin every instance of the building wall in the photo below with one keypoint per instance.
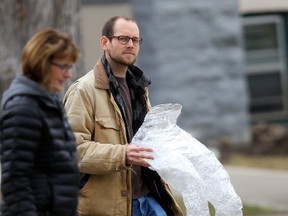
x,y
192,53
256,6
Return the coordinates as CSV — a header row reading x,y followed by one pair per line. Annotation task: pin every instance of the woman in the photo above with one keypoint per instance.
x,y
38,151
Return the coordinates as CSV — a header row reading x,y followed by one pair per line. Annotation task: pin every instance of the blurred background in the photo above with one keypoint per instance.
x,y
224,61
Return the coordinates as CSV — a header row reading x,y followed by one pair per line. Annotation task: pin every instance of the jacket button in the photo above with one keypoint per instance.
x,y
124,193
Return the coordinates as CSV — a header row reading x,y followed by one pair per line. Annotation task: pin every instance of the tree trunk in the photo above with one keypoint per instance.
x,y
20,19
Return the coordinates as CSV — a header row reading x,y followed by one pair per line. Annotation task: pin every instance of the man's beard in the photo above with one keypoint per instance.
x,y
121,61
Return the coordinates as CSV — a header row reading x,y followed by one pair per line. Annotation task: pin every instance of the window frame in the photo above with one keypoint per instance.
x,y
262,68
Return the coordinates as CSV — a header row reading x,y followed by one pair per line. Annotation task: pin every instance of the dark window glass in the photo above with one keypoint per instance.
x,y
261,43
265,92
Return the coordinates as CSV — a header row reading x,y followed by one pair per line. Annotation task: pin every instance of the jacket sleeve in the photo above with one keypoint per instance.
x,y
20,139
95,157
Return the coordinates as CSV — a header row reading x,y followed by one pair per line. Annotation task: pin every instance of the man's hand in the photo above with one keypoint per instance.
x,y
136,154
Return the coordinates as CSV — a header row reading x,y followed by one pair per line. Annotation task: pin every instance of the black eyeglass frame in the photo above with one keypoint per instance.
x,y
122,39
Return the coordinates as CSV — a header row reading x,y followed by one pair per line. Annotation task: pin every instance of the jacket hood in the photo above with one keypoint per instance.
x,y
22,85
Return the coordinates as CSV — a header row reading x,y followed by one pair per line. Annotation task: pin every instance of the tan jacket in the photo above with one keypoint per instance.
x,y
101,138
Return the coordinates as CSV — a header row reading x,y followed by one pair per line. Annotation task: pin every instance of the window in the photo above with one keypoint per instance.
x,y
265,59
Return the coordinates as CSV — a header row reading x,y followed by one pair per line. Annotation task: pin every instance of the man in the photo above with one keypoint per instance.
x,y
105,108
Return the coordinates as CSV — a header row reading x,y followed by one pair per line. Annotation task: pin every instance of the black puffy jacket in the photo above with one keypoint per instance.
x,y
38,153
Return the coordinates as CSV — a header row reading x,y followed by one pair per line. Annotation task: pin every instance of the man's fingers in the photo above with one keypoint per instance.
x,y
138,154
146,156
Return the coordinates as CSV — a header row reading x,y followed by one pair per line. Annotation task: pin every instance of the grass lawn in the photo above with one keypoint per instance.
x,y
257,161
268,162
251,211
247,209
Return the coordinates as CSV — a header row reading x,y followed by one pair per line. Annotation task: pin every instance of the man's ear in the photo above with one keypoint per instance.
x,y
104,42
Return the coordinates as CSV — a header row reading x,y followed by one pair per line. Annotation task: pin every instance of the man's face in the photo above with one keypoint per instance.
x,y
121,53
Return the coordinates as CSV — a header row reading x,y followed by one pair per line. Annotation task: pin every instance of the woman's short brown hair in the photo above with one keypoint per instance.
x,y
42,48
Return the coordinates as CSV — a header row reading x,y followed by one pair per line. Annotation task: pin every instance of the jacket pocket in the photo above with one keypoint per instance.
x,y
107,130
84,180
107,122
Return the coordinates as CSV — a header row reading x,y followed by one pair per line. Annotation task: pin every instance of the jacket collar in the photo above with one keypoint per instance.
x,y
101,78
22,85
134,73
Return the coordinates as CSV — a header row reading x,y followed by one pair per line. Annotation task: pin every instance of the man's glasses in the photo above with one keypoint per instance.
x,y
125,39
63,67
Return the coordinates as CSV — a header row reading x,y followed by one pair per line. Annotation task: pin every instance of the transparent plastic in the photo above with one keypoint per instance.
x,y
186,164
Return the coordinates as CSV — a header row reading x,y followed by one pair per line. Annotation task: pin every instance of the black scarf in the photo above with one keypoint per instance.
x,y
136,82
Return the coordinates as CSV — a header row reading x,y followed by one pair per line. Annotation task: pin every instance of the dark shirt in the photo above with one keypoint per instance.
x,y
139,187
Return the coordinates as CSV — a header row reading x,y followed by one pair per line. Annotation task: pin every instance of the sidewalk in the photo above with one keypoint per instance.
x,y
261,187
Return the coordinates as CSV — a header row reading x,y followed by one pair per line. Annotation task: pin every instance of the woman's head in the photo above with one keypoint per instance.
x,y
46,50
